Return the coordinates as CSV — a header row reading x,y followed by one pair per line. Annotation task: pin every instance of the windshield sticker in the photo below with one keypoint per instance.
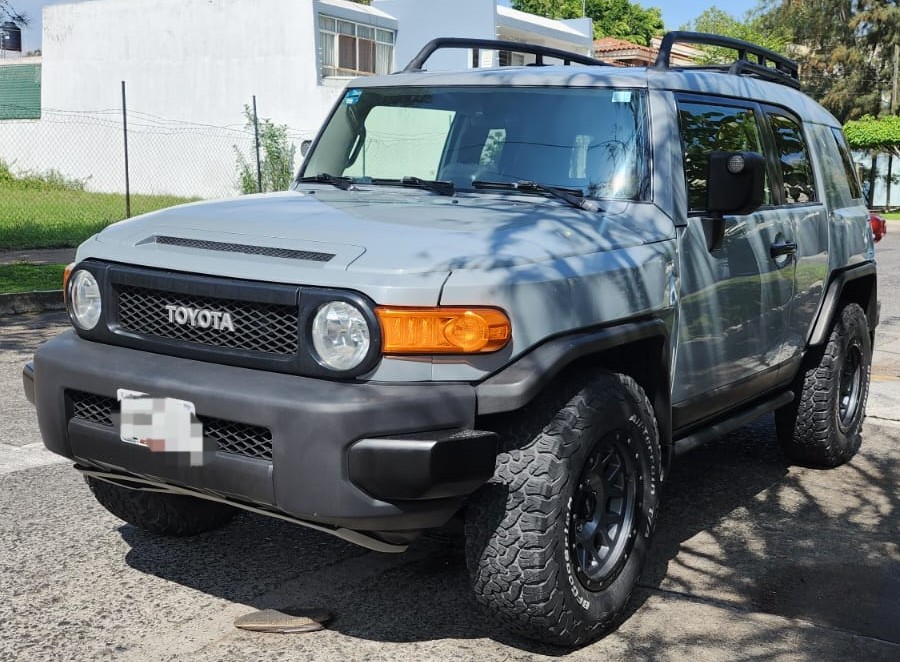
x,y
352,96
621,96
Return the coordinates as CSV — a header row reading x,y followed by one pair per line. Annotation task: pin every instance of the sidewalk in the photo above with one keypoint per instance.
x,y
38,256
34,302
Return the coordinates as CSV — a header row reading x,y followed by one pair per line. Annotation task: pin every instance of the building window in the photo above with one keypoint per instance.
x,y
511,59
354,49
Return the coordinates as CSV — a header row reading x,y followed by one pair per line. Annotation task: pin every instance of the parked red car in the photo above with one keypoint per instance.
x,y
879,225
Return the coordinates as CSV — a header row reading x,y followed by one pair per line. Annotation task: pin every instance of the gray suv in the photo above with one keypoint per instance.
x,y
512,294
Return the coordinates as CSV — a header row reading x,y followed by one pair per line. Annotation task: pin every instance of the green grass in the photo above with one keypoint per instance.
x,y
33,218
892,216
30,277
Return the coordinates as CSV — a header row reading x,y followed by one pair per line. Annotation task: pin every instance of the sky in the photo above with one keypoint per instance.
x,y
675,13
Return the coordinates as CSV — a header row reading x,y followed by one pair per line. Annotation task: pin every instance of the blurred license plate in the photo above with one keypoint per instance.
x,y
160,424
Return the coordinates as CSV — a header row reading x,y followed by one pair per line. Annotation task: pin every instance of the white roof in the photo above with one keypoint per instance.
x,y
516,16
357,7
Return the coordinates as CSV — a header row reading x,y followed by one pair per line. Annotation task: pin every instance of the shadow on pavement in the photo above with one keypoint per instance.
x,y
739,529
23,333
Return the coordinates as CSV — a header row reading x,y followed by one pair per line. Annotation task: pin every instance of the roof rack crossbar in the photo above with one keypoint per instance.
x,y
784,70
762,71
540,52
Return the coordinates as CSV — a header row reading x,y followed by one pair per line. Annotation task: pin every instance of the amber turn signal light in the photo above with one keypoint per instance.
x,y
443,330
66,274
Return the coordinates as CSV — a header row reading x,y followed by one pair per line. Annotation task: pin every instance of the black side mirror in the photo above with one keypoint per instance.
x,y
304,147
735,182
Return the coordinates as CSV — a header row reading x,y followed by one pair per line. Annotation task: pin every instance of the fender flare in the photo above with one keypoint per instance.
x,y
822,326
518,383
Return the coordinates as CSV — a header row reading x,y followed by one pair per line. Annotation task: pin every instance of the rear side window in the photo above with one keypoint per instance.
x,y
847,160
708,128
793,159
837,179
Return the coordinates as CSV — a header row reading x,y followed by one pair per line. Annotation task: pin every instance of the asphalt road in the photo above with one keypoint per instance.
x,y
753,559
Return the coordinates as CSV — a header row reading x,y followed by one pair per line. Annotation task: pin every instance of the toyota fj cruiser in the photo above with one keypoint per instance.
x,y
513,293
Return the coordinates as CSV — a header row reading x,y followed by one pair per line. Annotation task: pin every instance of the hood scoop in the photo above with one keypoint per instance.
x,y
226,247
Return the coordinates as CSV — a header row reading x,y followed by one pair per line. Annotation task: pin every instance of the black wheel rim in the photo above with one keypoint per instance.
x,y
603,513
851,385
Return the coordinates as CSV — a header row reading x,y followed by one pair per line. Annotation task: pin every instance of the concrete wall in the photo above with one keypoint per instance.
x,y
424,20
190,66
191,60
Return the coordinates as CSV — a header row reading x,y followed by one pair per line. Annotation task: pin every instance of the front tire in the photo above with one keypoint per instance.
x,y
556,542
822,426
164,514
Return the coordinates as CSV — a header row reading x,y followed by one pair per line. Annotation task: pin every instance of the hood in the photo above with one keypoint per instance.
x,y
376,230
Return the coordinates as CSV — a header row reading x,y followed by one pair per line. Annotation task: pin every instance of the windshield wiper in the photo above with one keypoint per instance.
x,y
342,183
571,196
443,188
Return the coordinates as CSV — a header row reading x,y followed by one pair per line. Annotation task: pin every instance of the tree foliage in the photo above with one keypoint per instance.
x,y
843,47
7,11
612,18
276,157
751,28
875,134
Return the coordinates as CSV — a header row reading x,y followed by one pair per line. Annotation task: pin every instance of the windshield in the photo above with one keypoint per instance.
x,y
587,139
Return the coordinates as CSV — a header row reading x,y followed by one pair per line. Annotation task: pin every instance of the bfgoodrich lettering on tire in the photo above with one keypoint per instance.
x,y
822,426
556,542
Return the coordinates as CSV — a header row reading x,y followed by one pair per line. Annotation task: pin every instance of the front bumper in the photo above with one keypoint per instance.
x,y
362,456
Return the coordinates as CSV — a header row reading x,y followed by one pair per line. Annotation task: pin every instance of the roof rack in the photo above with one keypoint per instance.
x,y
540,52
784,71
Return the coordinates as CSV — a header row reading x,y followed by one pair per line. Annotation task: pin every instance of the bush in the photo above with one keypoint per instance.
x,y
276,156
50,180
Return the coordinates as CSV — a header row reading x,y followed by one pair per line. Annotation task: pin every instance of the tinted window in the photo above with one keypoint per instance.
x,y
793,157
594,140
849,169
833,174
708,128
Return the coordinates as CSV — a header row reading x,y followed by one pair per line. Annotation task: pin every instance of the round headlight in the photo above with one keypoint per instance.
x,y
84,299
340,336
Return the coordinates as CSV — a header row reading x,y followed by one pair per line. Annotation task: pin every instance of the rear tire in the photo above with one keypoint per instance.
x,y
556,542
165,514
822,426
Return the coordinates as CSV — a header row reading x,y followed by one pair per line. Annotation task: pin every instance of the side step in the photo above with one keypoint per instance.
x,y
722,427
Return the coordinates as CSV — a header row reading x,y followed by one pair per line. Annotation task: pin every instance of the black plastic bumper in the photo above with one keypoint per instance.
x,y
369,457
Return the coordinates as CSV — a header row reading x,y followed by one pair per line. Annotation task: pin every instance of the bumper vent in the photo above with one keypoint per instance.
x,y
257,327
93,408
231,437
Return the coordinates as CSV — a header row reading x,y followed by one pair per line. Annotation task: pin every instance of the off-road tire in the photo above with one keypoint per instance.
x,y
165,514
822,426
527,548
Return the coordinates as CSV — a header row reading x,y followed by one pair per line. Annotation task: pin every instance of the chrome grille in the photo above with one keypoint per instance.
x,y
258,327
230,436
269,251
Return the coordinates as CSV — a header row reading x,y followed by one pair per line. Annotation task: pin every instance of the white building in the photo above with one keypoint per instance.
x,y
190,66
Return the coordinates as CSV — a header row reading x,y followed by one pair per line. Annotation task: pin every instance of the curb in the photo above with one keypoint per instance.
x,y
31,302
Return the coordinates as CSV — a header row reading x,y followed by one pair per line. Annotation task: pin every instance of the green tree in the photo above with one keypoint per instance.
x,y
11,13
842,47
751,28
876,135
612,18
276,157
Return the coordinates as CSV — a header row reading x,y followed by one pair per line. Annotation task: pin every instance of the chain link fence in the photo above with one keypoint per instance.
x,y
65,176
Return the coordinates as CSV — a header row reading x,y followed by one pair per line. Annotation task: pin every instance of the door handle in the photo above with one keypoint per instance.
x,y
780,248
